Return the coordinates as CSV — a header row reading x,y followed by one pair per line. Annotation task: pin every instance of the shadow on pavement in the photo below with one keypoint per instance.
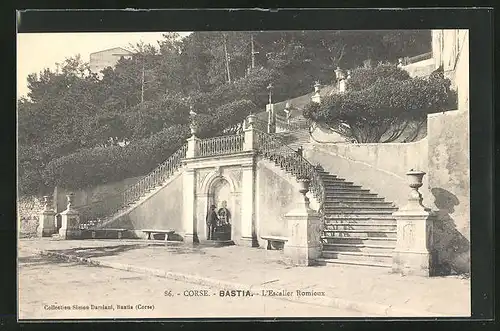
x,y
95,252
38,260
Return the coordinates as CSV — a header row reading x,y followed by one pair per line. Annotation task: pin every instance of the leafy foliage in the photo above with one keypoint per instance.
x,y
380,109
107,164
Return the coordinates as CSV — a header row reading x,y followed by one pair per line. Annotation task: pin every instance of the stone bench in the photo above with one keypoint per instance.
x,y
151,233
275,242
119,232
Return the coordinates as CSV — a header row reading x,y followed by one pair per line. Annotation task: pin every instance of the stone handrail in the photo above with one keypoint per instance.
x,y
220,145
417,58
95,213
292,162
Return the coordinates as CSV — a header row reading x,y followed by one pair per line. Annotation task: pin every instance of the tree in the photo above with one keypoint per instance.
x,y
380,109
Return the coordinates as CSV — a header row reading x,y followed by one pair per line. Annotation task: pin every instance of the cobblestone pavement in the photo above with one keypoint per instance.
x,y
54,289
444,296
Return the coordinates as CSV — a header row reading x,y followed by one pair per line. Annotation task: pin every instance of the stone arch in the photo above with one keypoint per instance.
x,y
216,183
213,177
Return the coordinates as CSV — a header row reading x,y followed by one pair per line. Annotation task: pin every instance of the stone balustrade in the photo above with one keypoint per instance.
x,y
220,145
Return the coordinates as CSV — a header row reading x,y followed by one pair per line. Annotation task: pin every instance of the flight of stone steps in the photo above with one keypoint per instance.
x,y
294,139
359,228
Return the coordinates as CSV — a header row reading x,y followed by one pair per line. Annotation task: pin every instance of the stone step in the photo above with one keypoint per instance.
x,y
358,204
362,233
358,218
335,190
340,184
360,221
360,226
360,210
352,197
333,179
339,194
387,241
366,257
365,248
354,263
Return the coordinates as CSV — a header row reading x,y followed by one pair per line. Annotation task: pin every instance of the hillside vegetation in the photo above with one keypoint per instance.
x,y
70,124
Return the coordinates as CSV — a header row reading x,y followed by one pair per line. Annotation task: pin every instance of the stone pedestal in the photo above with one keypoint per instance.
x,y
414,254
304,230
70,222
250,141
47,220
192,146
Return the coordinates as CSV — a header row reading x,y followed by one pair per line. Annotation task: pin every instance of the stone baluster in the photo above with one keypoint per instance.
x,y
414,254
304,229
47,219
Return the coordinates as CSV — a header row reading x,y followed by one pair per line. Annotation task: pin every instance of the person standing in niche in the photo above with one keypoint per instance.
x,y
212,220
224,214
224,226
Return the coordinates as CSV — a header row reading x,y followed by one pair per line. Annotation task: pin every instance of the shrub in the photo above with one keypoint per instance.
x,y
362,78
379,109
108,164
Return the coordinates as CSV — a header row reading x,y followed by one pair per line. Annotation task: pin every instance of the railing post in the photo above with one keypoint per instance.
x,y
250,141
192,146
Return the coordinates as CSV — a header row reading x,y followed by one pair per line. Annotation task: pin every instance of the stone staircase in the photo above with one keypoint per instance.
x,y
359,228
294,139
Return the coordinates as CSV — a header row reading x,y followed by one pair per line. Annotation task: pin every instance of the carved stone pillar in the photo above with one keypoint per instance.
x,y
413,254
47,220
192,147
250,139
304,230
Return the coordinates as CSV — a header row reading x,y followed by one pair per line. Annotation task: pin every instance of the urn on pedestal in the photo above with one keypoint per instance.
x,y
70,221
414,254
46,225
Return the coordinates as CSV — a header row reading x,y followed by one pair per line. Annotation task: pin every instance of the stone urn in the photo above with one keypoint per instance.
x,y
46,203
251,119
194,128
415,178
415,181
71,198
317,85
304,186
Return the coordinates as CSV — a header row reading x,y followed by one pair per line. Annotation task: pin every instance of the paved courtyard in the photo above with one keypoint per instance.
x,y
47,283
369,289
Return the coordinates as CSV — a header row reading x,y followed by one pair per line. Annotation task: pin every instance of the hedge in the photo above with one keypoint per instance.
x,y
100,165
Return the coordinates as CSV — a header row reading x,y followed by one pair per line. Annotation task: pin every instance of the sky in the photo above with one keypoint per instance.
x,y
36,51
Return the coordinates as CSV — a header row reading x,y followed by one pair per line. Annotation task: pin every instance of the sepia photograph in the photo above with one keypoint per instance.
x,y
243,174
